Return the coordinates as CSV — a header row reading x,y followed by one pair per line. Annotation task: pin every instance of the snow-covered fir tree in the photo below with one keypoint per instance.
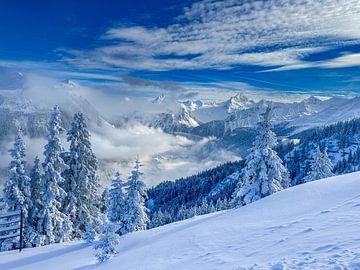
x,y
136,217
116,203
264,172
157,219
204,208
108,241
182,213
320,167
53,226
17,189
36,198
81,182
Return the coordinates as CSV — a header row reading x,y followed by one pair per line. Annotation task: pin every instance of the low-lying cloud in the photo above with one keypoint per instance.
x,y
165,156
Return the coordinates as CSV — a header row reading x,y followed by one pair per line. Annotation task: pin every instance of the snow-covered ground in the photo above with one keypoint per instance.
x,y
312,226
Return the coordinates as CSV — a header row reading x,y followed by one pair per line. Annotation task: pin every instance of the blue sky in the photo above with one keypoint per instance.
x,y
278,47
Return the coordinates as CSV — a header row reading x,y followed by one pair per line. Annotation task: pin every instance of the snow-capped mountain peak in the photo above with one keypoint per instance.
x,y
69,84
312,100
159,99
184,117
238,102
193,105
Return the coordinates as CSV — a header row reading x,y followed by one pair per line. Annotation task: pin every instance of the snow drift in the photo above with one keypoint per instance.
x,y
311,226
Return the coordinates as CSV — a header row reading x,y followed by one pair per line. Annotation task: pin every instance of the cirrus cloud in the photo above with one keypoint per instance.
x,y
223,34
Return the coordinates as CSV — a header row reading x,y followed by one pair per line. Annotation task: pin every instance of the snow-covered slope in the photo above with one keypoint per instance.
x,y
311,226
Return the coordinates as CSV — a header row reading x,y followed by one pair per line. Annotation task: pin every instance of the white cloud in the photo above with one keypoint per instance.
x,y
345,60
348,60
220,34
166,156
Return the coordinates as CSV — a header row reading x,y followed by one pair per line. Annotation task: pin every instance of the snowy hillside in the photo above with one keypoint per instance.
x,y
311,226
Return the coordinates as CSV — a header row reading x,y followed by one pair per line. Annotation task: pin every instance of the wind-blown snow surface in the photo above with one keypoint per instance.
x,y
312,226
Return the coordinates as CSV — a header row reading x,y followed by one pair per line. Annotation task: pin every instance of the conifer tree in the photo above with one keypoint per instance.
x,y
264,172
116,203
17,189
320,166
36,198
136,212
53,226
108,241
81,182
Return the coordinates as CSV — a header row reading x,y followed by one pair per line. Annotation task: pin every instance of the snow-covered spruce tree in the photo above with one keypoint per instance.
x,y
157,219
17,189
17,192
36,198
116,203
108,241
53,226
264,172
320,166
136,217
81,182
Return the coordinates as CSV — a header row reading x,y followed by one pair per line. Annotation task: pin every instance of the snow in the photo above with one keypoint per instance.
x,y
239,111
220,111
311,226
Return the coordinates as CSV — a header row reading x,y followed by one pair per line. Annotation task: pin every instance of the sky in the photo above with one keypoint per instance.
x,y
194,49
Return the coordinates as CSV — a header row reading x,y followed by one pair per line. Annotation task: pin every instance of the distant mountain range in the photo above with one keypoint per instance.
x,y
226,126
239,111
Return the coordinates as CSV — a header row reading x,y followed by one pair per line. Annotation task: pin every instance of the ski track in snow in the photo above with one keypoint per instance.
x,y
312,226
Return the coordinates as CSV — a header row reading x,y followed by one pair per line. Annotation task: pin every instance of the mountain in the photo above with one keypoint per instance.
x,y
159,99
11,80
238,102
335,110
16,108
182,121
240,111
193,105
310,226
220,111
281,112
68,84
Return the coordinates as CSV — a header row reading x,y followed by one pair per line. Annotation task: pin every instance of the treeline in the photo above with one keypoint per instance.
x,y
177,200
